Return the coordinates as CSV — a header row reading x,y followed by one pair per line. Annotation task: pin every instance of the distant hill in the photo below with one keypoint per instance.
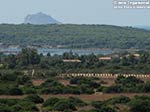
x,y
39,19
76,36
143,27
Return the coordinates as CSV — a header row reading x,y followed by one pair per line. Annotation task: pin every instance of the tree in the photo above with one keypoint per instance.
x,y
28,56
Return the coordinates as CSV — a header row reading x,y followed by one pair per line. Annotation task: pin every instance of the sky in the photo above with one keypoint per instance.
x,y
73,12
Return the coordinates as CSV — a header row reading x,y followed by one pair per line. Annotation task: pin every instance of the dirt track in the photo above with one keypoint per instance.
x,y
94,97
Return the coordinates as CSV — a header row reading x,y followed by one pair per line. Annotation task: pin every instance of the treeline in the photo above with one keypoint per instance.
x,y
75,36
29,59
72,104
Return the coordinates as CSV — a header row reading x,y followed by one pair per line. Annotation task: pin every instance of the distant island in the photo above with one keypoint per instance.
x,y
40,19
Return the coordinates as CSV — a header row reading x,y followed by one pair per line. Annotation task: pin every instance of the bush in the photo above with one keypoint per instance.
x,y
34,98
25,106
67,105
51,82
128,81
5,108
15,105
76,101
107,109
29,90
114,89
22,80
140,104
146,87
50,102
103,106
15,91
64,105
87,81
9,77
119,100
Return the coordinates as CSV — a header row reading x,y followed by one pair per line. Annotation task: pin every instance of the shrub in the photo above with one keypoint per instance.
x,y
64,105
114,89
29,90
22,80
50,102
15,105
34,98
119,100
81,80
15,91
76,101
139,105
51,82
102,106
146,87
25,106
5,108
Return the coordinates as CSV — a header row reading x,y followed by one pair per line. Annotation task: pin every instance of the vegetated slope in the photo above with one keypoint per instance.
x,y
85,36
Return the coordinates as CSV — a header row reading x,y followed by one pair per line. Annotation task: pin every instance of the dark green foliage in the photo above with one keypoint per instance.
x,y
8,77
15,83
69,104
110,104
15,91
51,83
129,84
47,66
89,110
14,105
51,86
25,106
34,98
135,104
119,100
5,108
140,104
64,105
50,102
24,80
76,101
29,90
79,36
87,81
113,89
129,80
146,87
103,106
27,57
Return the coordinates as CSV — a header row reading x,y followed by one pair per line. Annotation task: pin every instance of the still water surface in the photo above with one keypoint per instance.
x,y
58,51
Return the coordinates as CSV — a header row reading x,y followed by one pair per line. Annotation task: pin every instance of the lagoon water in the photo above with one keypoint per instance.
x,y
59,51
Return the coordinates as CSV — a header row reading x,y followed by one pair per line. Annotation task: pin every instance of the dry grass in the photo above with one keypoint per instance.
x,y
65,82
37,82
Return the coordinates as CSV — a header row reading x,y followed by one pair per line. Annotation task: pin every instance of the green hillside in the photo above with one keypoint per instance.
x,y
77,36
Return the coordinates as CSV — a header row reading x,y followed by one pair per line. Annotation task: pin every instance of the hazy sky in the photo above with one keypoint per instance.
x,y
73,11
